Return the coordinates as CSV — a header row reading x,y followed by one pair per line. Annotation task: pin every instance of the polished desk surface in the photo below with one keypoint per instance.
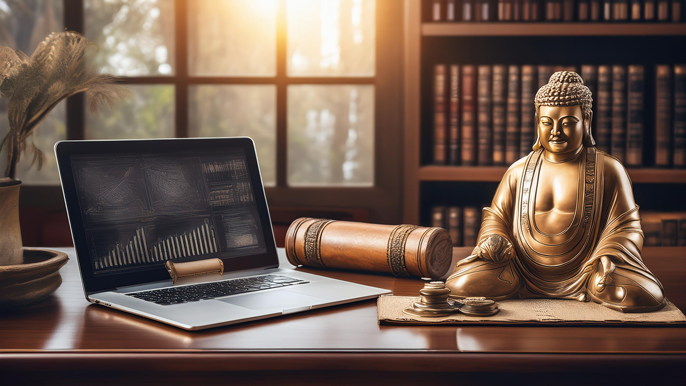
x,y
66,332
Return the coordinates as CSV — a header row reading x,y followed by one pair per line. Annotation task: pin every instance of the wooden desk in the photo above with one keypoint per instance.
x,y
71,342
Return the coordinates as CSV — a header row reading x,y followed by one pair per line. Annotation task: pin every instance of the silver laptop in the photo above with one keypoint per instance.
x,y
133,205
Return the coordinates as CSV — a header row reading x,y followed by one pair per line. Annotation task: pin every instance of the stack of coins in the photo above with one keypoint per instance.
x,y
478,307
433,301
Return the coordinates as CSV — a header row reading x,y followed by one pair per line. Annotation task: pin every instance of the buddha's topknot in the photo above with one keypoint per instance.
x,y
565,88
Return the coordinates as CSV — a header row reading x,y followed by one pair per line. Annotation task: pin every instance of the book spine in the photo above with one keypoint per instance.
x,y
468,115
618,141
528,130
669,232
513,116
484,10
455,225
636,10
467,10
516,10
544,73
583,11
680,115
451,10
676,11
472,224
553,10
485,125
568,10
607,10
436,10
649,7
595,10
526,10
439,114
620,10
589,73
663,116
682,232
438,217
634,152
604,133
454,144
663,10
652,230
500,78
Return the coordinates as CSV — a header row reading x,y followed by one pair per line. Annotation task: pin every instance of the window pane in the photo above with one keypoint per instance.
x,y
232,37
23,25
331,37
148,113
331,135
229,111
135,37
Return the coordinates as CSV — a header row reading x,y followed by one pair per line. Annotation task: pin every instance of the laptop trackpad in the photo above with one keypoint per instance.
x,y
274,299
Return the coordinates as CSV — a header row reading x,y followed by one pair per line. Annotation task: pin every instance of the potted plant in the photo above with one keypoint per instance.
x,y
33,86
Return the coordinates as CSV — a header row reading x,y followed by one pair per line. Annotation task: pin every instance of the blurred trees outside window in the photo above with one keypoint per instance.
x,y
230,81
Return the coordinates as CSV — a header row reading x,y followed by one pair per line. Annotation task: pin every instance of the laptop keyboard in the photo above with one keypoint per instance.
x,y
217,289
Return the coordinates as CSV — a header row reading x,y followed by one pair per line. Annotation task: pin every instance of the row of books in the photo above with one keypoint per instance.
x,y
463,224
484,115
557,10
664,229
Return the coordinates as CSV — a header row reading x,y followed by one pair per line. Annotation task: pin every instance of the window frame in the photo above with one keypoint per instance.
x,y
383,199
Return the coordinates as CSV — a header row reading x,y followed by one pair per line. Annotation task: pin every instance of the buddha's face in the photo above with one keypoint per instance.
x,y
561,128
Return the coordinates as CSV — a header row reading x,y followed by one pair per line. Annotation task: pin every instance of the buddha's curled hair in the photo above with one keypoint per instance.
x,y
565,88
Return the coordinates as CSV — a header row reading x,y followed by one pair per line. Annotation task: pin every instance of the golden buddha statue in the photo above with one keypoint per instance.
x,y
563,222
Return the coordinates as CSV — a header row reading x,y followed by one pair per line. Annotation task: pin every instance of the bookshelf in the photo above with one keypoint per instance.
x,y
430,43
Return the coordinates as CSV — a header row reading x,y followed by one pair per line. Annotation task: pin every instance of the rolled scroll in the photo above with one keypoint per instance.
x,y
402,250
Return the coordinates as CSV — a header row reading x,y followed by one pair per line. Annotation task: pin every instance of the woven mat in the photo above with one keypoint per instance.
x,y
533,311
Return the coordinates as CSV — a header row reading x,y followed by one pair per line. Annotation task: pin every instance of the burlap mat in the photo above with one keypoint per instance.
x,y
533,311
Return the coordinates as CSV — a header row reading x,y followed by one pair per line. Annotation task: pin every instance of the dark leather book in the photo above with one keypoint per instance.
x,y
455,225
589,73
635,14
670,235
544,73
607,10
485,111
604,112
526,10
454,132
532,10
437,10
652,229
513,115
676,10
527,131
440,129
583,10
663,10
620,10
468,155
483,11
595,10
649,10
680,115
438,217
472,223
682,231
634,145
663,116
619,117
500,79
451,10
553,10
468,10
568,10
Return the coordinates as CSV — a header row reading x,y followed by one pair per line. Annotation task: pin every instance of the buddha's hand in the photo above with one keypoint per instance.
x,y
495,248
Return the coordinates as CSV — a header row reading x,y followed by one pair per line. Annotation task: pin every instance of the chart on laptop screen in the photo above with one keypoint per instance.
x,y
141,210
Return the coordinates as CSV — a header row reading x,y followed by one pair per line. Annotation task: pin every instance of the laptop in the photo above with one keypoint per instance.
x,y
133,205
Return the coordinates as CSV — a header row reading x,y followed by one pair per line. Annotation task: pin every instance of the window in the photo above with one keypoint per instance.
x,y
298,76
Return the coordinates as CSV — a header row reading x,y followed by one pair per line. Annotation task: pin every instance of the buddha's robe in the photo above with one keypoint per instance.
x,y
566,264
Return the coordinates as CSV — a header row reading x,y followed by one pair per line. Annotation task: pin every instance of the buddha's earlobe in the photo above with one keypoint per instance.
x,y
588,135
537,143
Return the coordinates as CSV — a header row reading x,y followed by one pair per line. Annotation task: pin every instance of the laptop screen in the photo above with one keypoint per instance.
x,y
140,210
